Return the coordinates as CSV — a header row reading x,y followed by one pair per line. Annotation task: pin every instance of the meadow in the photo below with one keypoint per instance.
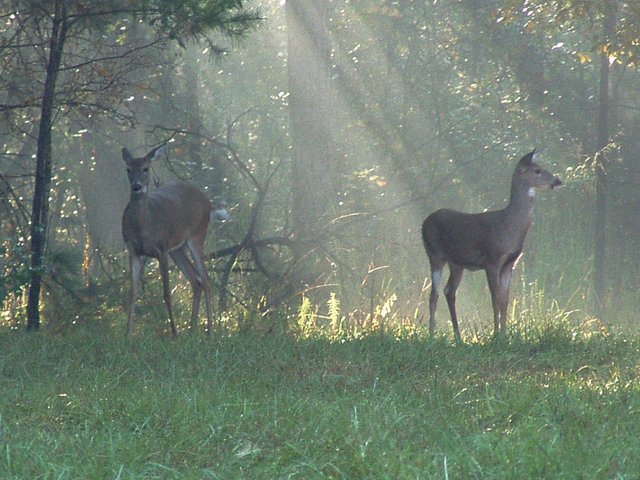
x,y
562,402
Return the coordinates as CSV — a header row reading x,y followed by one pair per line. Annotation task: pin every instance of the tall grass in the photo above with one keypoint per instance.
x,y
554,401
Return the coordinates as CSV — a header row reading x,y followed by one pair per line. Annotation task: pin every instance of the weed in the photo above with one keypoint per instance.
x,y
84,404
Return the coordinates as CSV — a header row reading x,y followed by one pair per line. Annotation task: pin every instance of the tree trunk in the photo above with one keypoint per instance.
x,y
194,117
602,140
40,207
311,109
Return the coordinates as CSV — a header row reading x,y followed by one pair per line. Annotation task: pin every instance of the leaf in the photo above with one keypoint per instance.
x,y
584,57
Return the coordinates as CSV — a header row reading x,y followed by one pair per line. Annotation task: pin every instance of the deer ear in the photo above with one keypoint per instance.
x,y
157,152
528,158
126,156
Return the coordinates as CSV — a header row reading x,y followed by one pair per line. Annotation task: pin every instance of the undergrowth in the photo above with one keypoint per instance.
x,y
560,398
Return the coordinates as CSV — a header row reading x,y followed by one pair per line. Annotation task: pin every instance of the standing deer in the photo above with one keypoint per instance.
x,y
491,241
170,221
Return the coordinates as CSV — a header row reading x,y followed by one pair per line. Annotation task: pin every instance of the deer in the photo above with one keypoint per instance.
x,y
491,241
170,221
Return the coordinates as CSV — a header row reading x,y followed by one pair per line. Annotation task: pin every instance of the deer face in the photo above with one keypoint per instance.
x,y
534,175
138,170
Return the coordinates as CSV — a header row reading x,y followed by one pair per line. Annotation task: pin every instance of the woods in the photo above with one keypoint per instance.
x,y
315,137
330,129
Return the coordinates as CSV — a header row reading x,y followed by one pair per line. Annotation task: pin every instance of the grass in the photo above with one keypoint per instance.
x,y
84,404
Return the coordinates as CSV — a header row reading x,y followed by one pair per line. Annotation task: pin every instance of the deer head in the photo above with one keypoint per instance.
x,y
138,168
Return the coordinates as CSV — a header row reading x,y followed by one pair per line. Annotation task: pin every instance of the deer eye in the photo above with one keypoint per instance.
x,y
145,169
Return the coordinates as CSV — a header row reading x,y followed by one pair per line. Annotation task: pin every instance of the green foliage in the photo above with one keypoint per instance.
x,y
196,19
306,319
336,320
87,405
14,272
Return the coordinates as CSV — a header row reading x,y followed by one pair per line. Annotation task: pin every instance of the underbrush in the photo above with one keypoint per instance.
x,y
561,400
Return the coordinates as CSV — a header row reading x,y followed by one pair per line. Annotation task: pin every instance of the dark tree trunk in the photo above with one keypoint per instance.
x,y
40,207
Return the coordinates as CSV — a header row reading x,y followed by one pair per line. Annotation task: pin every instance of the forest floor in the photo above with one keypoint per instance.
x,y
85,404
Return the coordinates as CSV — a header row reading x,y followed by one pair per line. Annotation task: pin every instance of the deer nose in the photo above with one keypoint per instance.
x,y
136,187
556,183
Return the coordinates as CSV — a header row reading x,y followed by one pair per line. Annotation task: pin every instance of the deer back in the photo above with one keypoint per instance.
x,y
465,239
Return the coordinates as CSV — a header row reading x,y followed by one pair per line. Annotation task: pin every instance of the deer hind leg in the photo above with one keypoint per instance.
x,y
186,267
196,248
436,278
455,276
493,279
163,260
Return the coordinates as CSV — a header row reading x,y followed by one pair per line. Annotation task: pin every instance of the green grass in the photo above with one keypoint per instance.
x,y
82,404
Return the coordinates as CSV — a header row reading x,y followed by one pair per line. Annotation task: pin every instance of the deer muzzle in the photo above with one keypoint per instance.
x,y
137,187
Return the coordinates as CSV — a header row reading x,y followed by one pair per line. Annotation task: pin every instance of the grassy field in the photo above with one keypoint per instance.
x,y
85,405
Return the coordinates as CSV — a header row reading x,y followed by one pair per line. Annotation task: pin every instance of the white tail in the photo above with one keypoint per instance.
x,y
169,221
491,241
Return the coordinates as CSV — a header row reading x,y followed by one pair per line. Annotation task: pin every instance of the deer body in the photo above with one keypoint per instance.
x,y
490,241
170,221
153,222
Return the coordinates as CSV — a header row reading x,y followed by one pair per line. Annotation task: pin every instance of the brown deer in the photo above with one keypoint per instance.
x,y
491,241
170,221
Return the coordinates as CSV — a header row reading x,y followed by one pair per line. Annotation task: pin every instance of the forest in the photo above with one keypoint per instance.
x,y
330,129
329,149
327,131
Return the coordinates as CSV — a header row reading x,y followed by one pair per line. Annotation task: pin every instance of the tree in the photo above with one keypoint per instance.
x,y
40,206
600,154
607,41
311,109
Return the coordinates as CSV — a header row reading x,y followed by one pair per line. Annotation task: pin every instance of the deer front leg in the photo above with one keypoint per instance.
x,y
163,260
504,284
494,288
135,270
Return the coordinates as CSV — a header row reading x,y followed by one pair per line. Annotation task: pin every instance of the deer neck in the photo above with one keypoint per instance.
x,y
139,210
520,207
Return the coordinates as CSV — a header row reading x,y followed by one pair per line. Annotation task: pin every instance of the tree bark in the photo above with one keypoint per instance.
x,y
42,191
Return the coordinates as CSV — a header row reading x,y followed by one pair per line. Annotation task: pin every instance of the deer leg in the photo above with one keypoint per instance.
x,y
455,275
436,278
494,289
504,283
196,249
163,260
135,267
186,267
